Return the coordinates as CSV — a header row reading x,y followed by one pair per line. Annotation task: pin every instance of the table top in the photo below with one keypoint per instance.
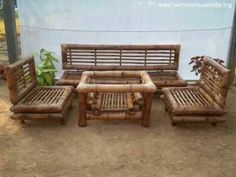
x,y
116,81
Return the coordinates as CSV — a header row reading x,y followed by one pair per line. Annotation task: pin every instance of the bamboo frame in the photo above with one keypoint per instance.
x,y
202,102
162,58
31,101
84,86
115,101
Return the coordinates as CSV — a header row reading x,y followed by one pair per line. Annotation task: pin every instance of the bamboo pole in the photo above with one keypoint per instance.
x,y
97,106
82,110
130,105
112,116
10,28
147,109
139,98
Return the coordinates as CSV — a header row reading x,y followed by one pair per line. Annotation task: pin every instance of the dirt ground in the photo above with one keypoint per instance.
x,y
117,148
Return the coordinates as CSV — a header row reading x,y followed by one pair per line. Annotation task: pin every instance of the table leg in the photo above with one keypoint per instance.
x,y
82,122
147,109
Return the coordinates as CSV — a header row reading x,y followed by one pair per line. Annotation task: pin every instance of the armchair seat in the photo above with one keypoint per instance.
x,y
190,101
44,99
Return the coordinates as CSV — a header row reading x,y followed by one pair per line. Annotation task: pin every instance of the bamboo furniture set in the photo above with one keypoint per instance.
x,y
117,82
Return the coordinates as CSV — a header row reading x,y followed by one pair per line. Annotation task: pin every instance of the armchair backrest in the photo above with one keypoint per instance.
x,y
21,78
215,80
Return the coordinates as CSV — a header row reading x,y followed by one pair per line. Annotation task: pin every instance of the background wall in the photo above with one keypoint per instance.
x,y
201,27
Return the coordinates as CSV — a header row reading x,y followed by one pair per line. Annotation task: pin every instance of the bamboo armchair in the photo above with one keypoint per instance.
x,y
31,101
123,95
203,102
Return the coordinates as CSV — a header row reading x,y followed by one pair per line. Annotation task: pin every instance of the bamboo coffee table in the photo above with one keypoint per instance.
x,y
115,95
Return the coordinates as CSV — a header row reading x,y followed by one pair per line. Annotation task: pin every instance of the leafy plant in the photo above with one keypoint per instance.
x,y
46,70
197,62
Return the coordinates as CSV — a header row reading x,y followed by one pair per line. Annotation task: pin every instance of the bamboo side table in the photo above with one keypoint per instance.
x,y
115,95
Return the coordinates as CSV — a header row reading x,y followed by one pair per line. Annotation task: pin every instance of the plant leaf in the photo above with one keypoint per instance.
x,y
49,79
48,70
191,62
40,80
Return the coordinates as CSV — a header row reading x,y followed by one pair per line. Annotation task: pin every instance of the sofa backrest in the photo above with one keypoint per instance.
x,y
120,57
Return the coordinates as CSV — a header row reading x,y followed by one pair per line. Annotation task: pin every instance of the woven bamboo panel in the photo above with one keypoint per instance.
x,y
115,57
21,78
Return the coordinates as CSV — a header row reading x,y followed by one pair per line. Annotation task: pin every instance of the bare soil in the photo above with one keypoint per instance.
x,y
117,148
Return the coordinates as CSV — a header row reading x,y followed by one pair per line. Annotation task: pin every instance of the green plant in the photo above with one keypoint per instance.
x,y
46,70
197,62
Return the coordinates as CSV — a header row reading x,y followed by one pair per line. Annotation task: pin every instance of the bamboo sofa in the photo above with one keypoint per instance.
x,y
201,103
160,61
31,101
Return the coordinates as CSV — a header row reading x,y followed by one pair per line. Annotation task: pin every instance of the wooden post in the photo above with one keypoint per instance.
x,y
147,109
232,52
82,122
10,28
